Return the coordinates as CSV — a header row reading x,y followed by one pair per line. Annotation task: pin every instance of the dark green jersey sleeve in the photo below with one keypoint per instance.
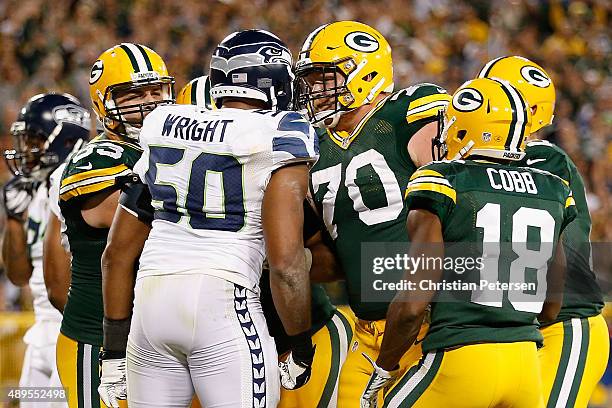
x,y
95,167
430,189
409,109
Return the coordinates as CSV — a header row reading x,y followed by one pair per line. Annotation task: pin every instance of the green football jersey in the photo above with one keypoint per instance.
x,y
583,296
89,171
481,205
358,181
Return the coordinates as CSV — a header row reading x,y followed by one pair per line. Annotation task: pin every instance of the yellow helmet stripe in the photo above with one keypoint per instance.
x,y
484,72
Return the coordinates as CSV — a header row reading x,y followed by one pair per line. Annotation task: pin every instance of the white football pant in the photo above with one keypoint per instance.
x,y
202,333
39,368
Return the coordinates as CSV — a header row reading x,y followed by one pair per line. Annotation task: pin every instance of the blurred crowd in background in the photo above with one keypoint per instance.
x,y
51,45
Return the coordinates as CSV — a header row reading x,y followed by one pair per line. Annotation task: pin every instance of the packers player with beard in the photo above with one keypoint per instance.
x,y
576,343
371,140
481,347
126,83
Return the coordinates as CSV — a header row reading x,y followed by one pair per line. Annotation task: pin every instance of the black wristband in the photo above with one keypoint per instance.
x,y
111,355
115,334
301,347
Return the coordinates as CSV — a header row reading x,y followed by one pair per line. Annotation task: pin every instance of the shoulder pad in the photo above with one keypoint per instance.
x,y
434,178
95,167
296,137
136,199
422,101
294,122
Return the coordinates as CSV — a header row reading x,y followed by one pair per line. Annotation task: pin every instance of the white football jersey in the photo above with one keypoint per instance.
x,y
207,172
38,212
55,181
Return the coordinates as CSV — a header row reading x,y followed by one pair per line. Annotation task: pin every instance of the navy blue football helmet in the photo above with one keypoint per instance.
x,y
48,128
252,64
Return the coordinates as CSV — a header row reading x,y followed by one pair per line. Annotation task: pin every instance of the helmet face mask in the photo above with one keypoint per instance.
x,y
319,88
439,149
123,110
48,128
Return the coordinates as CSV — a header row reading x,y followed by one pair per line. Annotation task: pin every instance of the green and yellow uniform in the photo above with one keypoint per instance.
x,y
481,342
332,331
357,185
90,171
576,344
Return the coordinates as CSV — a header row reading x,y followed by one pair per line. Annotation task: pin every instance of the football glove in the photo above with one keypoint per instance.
x,y
17,197
113,384
379,380
296,369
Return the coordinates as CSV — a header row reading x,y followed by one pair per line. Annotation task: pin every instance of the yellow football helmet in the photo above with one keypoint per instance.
x,y
486,118
120,69
196,92
359,58
533,82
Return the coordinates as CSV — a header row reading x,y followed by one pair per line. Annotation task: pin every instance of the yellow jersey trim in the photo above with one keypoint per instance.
x,y
433,187
111,171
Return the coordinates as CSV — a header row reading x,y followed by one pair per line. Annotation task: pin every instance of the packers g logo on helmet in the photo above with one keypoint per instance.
x,y
531,80
341,66
488,118
96,71
361,41
467,100
535,76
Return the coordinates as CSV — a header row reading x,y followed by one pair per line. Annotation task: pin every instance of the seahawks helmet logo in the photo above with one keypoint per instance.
x,y
467,100
275,55
535,76
72,114
361,41
96,72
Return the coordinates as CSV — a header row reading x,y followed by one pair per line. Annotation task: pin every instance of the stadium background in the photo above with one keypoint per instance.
x,y
50,46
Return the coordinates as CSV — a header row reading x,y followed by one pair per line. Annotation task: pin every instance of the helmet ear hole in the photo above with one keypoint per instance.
x,y
369,77
461,134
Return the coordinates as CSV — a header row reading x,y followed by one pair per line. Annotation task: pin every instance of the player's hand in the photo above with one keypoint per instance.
x,y
17,195
296,369
379,380
113,384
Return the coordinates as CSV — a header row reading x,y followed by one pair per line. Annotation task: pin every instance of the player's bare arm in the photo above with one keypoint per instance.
x,y
406,312
555,283
419,146
282,216
14,253
125,243
325,266
56,264
99,210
